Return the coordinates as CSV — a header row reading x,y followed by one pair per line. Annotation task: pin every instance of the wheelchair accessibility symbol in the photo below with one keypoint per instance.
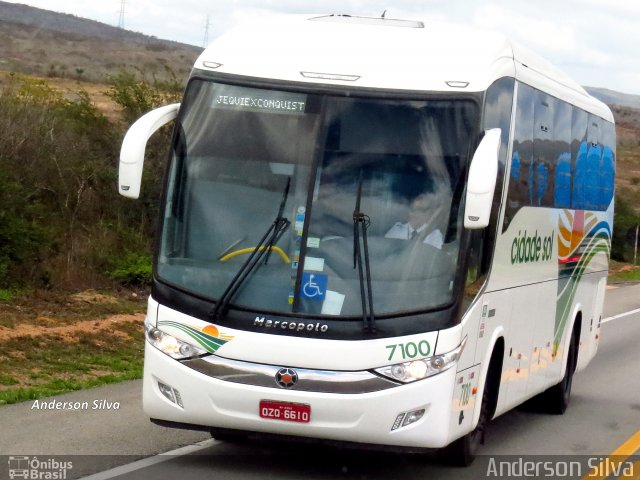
x,y
314,285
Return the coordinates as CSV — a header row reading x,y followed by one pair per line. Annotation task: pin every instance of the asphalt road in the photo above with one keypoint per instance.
x,y
604,413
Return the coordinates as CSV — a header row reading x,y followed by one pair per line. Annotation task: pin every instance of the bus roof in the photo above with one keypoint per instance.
x,y
387,54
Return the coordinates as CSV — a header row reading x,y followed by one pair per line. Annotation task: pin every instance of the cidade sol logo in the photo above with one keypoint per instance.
x,y
531,248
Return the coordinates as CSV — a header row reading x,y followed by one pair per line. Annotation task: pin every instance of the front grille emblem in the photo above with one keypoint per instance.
x,y
286,378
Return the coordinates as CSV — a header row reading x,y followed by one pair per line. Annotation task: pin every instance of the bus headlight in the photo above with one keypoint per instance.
x,y
170,345
408,372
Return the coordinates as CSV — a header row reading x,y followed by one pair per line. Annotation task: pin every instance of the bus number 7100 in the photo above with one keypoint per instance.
x,y
409,349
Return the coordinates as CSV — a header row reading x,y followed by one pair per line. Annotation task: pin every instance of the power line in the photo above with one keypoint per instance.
x,y
123,4
205,41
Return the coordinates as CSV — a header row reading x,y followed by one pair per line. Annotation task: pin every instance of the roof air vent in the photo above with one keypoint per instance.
x,y
375,21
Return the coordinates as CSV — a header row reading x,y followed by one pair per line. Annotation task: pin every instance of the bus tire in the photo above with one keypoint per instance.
x,y
228,436
556,399
462,452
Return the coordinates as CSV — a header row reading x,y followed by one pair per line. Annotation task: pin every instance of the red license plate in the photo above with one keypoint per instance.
x,y
288,412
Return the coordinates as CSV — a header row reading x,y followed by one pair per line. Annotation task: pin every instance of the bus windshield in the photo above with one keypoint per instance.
x,y
239,152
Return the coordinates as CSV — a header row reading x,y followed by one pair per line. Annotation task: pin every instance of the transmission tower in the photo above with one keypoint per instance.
x,y
205,40
123,4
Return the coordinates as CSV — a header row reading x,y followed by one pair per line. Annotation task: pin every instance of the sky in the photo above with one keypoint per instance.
x,y
595,41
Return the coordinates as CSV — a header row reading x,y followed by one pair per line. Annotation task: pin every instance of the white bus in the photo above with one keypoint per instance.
x,y
374,231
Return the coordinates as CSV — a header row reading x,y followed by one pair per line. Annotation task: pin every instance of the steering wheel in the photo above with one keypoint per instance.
x,y
243,251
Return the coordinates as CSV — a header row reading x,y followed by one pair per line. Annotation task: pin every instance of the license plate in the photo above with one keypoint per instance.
x,y
288,412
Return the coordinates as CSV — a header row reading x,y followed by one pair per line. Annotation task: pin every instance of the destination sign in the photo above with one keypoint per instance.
x,y
256,100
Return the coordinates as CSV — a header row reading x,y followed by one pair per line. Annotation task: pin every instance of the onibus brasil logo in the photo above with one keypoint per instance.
x,y
35,468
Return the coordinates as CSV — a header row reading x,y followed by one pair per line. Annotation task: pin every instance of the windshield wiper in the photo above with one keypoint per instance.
x,y
266,243
360,224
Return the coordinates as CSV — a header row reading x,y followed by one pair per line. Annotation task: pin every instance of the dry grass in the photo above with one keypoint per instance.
x,y
70,87
623,273
50,309
52,343
69,332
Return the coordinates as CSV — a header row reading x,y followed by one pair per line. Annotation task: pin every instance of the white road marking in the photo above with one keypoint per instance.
x,y
620,315
147,462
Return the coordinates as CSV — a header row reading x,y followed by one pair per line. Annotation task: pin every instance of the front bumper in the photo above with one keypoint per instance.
x,y
362,417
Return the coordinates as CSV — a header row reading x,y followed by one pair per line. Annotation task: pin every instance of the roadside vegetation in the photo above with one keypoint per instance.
x,y
71,250
75,258
627,213
54,341
621,273
62,224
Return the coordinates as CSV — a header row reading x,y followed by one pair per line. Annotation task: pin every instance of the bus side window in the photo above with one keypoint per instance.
x,y
562,154
579,156
607,174
542,168
522,175
562,185
592,176
608,167
476,268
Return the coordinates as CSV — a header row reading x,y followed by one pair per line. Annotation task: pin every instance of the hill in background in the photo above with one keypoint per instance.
x,y
628,156
49,44
45,43
611,97
61,46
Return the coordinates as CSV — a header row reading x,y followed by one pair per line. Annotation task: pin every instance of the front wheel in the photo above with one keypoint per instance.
x,y
556,399
463,451
229,436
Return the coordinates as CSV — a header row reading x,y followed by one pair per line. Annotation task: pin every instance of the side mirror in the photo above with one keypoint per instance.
x,y
481,185
134,145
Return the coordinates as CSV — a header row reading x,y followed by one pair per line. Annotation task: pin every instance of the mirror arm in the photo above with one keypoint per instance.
x,y
134,146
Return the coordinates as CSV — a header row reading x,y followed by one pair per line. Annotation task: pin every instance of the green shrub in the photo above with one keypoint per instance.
x,y
625,219
62,223
5,296
137,95
132,268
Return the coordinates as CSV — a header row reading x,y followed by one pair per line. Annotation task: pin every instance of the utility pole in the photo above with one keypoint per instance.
x,y
205,40
635,247
123,4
